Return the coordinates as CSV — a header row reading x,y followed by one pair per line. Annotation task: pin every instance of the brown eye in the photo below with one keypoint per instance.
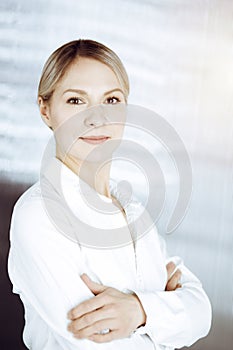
x,y
112,100
75,101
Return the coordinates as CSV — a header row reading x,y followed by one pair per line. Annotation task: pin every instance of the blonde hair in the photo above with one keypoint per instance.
x,y
59,61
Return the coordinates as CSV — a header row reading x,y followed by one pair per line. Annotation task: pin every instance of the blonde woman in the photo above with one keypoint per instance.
x,y
78,296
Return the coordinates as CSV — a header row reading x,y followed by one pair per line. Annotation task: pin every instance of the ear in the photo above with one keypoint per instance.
x,y
44,111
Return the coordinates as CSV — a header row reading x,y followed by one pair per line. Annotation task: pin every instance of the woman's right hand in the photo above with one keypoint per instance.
x,y
173,278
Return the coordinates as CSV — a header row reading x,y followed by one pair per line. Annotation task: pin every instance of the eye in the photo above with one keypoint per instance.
x,y
75,101
112,100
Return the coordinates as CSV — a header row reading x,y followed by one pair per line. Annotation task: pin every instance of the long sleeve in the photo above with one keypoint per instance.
x,y
45,265
177,318
46,277
45,269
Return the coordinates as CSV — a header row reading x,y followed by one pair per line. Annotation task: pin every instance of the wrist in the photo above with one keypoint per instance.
x,y
141,313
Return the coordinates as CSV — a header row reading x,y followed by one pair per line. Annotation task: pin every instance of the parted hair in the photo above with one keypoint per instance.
x,y
60,60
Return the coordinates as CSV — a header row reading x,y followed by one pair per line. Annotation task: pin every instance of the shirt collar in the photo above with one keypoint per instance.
x,y
63,178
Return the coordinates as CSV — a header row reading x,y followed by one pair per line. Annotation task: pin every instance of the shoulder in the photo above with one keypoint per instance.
x,y
30,194
34,222
28,214
29,205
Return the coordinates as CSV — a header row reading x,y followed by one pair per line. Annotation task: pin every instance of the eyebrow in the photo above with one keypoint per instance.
x,y
83,92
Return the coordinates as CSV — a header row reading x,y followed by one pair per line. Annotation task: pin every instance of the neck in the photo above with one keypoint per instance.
x,y
93,173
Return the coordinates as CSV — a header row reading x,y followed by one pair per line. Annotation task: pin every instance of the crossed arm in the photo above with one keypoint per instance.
x,y
48,281
112,310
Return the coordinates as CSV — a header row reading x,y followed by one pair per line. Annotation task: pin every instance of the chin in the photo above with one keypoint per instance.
x,y
96,153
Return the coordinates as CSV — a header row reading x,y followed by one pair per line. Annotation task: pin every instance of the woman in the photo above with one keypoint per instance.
x,y
78,291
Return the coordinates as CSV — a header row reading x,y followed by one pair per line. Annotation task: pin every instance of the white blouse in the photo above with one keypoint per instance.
x,y
51,247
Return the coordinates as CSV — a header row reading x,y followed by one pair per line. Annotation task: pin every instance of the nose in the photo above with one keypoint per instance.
x,y
96,117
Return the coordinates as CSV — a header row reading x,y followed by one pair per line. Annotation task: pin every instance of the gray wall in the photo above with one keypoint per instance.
x,y
178,54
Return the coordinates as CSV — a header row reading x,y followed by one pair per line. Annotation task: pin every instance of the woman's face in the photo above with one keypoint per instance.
x,y
87,83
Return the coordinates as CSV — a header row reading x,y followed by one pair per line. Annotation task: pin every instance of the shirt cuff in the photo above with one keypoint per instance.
x,y
166,319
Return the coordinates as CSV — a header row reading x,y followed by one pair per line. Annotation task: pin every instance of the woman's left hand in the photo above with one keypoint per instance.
x,y
109,315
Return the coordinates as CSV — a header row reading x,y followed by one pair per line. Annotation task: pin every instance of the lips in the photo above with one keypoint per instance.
x,y
94,140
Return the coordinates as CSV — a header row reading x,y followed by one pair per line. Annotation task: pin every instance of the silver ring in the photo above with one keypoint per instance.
x,y
105,331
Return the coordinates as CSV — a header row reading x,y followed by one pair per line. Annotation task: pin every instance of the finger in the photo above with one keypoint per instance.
x,y
89,319
97,327
173,281
95,287
86,307
178,286
170,269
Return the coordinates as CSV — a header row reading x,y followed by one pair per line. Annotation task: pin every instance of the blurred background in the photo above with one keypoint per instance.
x,y
179,57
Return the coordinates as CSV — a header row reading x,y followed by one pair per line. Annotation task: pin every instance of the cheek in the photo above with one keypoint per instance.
x,y
61,113
67,129
118,130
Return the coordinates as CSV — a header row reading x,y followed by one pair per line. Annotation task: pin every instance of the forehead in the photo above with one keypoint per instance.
x,y
88,73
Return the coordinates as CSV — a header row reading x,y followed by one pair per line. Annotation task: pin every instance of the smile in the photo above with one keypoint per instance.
x,y
94,140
